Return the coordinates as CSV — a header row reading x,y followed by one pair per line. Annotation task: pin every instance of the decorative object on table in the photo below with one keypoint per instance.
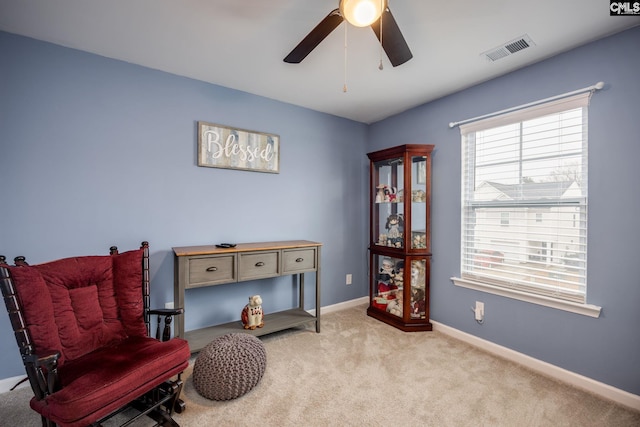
x,y
226,245
229,366
252,316
230,148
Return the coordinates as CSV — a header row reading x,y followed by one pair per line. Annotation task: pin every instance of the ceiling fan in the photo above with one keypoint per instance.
x,y
391,37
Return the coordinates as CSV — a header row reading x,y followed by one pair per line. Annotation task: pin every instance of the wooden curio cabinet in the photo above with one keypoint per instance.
x,y
400,236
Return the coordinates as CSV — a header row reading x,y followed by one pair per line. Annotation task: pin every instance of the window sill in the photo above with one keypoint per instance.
x,y
584,309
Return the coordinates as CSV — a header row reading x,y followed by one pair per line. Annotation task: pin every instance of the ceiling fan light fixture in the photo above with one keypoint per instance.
x,y
361,13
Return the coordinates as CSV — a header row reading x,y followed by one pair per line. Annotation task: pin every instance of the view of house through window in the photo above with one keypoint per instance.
x,y
525,200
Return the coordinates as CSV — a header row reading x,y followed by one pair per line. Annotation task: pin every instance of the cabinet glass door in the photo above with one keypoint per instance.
x,y
418,202
388,284
388,203
418,304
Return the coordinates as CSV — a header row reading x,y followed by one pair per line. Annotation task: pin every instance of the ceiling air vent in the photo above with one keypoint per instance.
x,y
508,48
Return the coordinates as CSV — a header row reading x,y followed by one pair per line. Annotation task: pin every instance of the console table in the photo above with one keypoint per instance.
x,y
200,266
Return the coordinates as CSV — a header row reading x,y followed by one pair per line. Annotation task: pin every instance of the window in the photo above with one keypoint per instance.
x,y
517,168
504,218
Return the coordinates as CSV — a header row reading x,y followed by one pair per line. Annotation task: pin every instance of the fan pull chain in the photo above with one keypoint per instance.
x,y
380,67
344,87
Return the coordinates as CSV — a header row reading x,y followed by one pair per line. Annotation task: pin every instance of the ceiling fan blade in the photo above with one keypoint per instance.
x,y
313,39
393,42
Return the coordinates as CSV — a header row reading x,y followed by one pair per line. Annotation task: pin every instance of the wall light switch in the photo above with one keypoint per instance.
x,y
349,279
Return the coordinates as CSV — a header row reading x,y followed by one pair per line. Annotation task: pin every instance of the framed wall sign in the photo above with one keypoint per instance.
x,y
230,148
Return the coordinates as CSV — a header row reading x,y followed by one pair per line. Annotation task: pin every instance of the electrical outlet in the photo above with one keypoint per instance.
x,y
479,311
349,279
168,305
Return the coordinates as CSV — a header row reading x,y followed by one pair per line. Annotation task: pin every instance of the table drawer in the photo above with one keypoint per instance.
x,y
207,271
299,260
259,265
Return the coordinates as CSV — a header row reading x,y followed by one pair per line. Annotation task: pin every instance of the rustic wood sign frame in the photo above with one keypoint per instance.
x,y
230,148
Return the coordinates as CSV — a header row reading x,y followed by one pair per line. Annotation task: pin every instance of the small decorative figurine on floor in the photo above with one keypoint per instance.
x,y
252,316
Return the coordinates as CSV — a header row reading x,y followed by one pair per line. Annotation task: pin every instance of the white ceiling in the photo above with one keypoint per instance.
x,y
240,44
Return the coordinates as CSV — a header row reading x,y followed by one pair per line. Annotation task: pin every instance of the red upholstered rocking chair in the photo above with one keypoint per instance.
x,y
82,325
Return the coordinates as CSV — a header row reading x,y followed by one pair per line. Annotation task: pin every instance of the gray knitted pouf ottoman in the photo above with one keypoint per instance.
x,y
229,366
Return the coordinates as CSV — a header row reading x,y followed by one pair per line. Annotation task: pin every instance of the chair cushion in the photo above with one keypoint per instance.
x,y
77,305
102,381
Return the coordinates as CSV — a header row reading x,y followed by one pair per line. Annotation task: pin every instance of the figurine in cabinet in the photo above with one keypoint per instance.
x,y
398,279
387,267
418,304
386,277
252,316
395,225
385,284
380,193
391,194
418,240
395,305
418,196
417,274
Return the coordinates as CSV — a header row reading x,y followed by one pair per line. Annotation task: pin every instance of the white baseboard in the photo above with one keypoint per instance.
x,y
579,381
7,383
603,390
344,305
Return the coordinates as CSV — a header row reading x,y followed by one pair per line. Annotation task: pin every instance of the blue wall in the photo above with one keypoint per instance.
x,y
606,349
98,152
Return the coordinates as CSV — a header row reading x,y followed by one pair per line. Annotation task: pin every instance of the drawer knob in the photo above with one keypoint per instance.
x,y
259,264
299,259
212,269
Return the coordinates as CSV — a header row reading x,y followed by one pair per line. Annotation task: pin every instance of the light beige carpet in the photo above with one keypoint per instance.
x,y
361,372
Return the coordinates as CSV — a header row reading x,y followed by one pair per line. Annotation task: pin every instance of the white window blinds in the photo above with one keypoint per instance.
x,y
524,223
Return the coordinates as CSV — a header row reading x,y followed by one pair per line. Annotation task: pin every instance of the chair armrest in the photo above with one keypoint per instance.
x,y
43,386
168,314
49,361
167,311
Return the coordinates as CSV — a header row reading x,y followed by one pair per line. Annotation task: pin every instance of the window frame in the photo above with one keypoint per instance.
x,y
477,283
